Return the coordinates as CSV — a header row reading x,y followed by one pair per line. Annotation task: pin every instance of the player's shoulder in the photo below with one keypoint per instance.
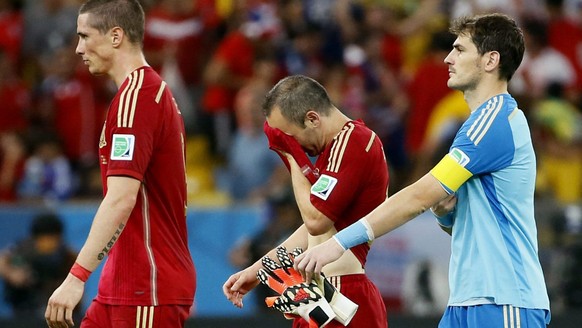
x,y
356,134
497,106
354,129
144,83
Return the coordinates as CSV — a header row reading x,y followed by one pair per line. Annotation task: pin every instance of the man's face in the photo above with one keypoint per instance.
x,y
95,48
306,137
465,67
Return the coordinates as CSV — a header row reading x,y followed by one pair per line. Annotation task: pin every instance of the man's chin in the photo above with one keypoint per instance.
x,y
95,72
452,85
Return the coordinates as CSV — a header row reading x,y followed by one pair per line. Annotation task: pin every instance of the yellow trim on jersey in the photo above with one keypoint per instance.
x,y
370,142
337,150
134,101
450,173
128,99
160,92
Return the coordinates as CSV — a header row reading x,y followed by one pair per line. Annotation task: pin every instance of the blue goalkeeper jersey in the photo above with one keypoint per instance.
x,y
491,166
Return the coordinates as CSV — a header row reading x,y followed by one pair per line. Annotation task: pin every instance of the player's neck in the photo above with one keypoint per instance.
x,y
483,92
337,121
125,63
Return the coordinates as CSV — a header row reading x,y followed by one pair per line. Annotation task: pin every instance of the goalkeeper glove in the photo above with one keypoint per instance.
x,y
296,296
342,306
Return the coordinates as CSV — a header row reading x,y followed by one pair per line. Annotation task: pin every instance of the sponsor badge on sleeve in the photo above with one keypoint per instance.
x,y
323,186
122,147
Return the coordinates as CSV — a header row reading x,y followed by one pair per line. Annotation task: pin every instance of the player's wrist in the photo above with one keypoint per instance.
x,y
358,233
80,272
445,221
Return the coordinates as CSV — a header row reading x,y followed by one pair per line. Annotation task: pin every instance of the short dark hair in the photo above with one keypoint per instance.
x,y
494,32
126,14
46,224
296,95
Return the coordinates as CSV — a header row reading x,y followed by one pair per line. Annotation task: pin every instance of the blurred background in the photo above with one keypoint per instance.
x,y
380,60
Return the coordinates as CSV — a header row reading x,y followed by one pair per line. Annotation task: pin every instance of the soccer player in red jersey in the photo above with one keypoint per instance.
x,y
148,279
352,179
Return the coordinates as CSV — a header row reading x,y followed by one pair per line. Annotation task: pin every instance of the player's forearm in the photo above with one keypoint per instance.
x,y
315,221
393,212
107,227
109,221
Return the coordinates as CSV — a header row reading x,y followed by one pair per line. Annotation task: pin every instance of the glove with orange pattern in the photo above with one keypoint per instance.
x,y
297,298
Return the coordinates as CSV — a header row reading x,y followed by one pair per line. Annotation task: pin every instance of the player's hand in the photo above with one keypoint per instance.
x,y
239,284
444,206
59,310
310,262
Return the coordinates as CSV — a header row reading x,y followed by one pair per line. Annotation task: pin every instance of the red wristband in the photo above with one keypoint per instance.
x,y
78,271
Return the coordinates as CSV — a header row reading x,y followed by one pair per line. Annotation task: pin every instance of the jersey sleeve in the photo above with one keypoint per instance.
x,y
484,144
348,170
135,127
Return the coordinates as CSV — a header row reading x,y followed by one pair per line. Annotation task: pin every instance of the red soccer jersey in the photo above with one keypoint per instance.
x,y
237,53
353,178
143,138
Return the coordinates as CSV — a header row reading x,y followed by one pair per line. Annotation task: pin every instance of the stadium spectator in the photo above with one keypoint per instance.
x,y
542,64
179,37
513,8
427,88
231,66
252,170
444,121
11,25
283,218
68,104
14,97
12,157
565,35
424,288
49,25
33,267
558,132
48,176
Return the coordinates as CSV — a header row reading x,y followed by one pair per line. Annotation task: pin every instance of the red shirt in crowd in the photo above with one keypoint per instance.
x,y
237,52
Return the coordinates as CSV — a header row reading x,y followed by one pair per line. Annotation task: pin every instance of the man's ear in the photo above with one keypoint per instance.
x,y
492,60
312,119
117,36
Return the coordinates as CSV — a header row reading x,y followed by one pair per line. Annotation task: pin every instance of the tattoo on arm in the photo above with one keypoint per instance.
x,y
111,242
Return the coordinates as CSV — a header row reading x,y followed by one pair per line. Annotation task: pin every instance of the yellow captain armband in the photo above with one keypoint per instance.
x,y
450,173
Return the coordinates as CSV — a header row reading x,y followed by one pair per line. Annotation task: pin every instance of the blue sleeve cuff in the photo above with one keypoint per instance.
x,y
355,234
445,221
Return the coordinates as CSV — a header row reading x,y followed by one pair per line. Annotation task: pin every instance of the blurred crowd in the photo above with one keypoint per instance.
x,y
380,60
